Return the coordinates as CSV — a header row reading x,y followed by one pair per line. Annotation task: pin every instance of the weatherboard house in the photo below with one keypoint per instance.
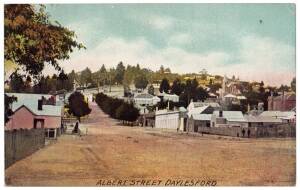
x,y
35,111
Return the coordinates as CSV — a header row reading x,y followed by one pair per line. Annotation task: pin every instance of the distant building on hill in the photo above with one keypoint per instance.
x,y
284,102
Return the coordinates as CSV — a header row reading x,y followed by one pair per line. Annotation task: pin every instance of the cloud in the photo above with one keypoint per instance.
x,y
265,59
155,22
180,39
161,23
258,59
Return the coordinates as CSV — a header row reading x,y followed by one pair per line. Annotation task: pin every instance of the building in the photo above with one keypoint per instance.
x,y
198,120
262,121
284,102
165,119
285,116
146,99
35,111
228,119
169,97
195,105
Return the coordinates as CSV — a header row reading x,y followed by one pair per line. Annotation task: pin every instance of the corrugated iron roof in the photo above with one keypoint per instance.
x,y
31,102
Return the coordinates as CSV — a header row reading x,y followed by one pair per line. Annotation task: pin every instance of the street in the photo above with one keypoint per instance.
x,y
111,151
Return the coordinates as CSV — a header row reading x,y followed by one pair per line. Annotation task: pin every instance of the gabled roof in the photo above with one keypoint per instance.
x,y
262,119
148,96
197,110
201,104
30,101
202,117
279,114
232,115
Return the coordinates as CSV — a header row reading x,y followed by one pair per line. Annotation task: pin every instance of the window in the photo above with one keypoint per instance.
x,y
38,123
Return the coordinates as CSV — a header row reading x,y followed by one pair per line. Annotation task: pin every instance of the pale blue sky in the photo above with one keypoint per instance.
x,y
223,38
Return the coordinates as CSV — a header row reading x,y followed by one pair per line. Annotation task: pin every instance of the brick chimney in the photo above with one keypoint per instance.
x,y
220,113
40,104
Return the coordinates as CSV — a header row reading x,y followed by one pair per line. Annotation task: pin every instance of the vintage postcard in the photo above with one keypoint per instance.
x,y
150,94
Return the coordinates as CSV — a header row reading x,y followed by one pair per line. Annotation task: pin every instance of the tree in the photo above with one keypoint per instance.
x,y
261,87
61,80
164,86
141,82
177,87
8,101
120,70
161,70
293,84
151,90
103,75
78,106
283,88
31,40
16,83
127,112
85,77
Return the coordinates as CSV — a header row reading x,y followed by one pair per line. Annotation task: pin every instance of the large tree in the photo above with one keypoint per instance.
x,y
177,87
141,82
164,86
31,40
78,106
85,78
120,70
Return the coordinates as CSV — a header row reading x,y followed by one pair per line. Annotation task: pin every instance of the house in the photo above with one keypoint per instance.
x,y
194,105
198,120
285,116
143,100
200,116
261,121
166,119
35,111
169,97
228,119
284,102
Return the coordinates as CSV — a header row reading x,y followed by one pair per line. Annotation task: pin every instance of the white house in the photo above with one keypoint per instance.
x,y
195,105
165,119
285,116
169,97
228,119
146,99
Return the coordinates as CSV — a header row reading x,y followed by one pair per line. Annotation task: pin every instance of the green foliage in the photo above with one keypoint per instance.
x,y
293,84
19,83
141,82
120,71
77,105
151,90
31,40
117,108
164,86
192,91
85,78
177,87
8,100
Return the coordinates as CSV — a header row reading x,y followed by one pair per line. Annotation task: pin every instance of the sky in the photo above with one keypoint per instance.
x,y
254,42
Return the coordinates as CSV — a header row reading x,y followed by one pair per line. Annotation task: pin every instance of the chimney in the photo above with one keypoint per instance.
x,y
40,104
220,113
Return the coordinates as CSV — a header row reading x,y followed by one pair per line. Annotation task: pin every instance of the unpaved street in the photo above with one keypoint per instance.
x,y
111,151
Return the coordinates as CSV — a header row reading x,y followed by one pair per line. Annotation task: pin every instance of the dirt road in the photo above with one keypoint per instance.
x,y
110,151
